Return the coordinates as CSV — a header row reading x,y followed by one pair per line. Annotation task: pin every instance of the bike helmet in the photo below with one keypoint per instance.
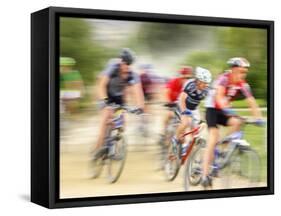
x,y
203,75
238,62
67,61
185,70
127,56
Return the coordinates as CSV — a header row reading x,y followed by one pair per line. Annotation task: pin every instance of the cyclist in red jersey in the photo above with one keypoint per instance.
x,y
174,88
218,108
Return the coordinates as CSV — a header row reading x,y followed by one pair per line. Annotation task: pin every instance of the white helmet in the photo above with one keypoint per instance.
x,y
203,75
238,62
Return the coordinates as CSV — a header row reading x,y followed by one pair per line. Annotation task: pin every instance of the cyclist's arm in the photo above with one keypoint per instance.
x,y
182,99
220,97
102,87
254,107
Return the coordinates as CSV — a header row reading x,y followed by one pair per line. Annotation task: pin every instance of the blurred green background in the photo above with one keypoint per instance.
x,y
92,42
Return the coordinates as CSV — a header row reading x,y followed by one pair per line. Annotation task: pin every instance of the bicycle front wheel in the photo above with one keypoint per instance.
x,y
116,160
193,168
243,169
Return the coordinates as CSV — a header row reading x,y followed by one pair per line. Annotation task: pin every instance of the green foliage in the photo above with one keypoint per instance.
x,y
243,103
237,42
206,59
251,44
76,42
157,38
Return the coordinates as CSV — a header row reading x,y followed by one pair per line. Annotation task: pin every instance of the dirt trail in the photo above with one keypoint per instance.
x,y
141,172
140,175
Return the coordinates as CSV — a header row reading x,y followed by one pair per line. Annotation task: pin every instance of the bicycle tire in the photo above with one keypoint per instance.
x,y
96,166
121,157
175,158
244,167
192,176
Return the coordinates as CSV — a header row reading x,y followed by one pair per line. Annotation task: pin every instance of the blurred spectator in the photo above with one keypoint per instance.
x,y
71,85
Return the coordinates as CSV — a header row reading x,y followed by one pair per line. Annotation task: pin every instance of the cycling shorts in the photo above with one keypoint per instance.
x,y
216,117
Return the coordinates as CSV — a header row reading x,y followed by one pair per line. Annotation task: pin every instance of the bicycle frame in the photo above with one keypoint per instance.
x,y
193,132
233,144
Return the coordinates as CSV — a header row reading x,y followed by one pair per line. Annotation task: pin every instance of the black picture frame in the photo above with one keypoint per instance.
x,y
45,106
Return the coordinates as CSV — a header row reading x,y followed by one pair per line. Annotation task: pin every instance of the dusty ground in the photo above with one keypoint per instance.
x,y
141,172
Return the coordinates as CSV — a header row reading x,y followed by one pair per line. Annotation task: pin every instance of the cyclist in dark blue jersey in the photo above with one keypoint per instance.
x,y
113,82
194,91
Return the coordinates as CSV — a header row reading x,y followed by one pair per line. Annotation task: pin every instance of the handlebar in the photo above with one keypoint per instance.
x,y
123,107
170,105
247,121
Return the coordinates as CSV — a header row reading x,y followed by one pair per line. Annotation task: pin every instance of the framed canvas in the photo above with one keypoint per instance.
x,y
132,107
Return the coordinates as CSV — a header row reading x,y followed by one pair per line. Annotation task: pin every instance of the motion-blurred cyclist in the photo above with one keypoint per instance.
x,y
149,85
111,89
148,81
218,104
174,88
194,91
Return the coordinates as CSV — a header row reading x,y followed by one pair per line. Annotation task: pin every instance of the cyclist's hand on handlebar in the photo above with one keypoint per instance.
x,y
260,122
186,112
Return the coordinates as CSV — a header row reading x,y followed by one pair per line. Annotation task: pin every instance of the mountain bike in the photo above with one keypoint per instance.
x,y
166,137
114,150
177,154
234,159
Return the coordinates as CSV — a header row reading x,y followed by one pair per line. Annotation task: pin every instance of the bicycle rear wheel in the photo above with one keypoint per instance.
x,y
172,162
116,159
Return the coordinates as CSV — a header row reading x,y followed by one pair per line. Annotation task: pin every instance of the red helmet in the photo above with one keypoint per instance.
x,y
185,70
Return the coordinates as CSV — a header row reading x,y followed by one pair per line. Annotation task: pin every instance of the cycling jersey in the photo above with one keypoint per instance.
x,y
194,95
147,83
175,87
231,90
116,84
69,77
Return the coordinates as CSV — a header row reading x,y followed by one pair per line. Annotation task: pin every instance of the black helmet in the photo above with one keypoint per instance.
x,y
127,56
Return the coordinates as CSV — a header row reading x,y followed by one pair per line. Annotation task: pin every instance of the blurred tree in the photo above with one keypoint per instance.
x,y
159,38
237,42
206,59
76,41
252,44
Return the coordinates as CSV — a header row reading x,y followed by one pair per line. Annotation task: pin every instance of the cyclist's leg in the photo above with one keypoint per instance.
x,y
209,151
195,117
235,125
106,115
185,123
213,137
